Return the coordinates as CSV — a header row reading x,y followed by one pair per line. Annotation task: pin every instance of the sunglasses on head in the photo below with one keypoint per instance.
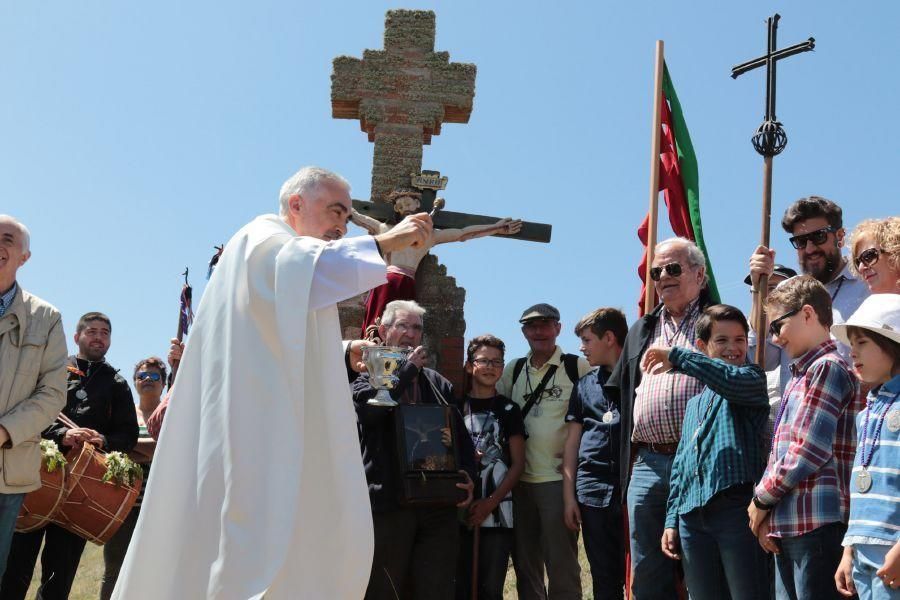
x,y
776,325
148,375
672,269
817,237
867,258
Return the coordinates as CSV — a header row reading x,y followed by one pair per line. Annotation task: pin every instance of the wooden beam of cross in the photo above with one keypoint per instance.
x,y
402,95
769,141
445,219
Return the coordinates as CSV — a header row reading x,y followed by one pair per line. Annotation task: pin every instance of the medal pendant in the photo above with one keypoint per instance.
x,y
608,417
81,394
893,421
863,481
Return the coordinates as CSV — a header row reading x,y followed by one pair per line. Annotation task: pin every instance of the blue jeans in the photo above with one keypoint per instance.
x,y
653,574
10,504
719,552
867,559
804,570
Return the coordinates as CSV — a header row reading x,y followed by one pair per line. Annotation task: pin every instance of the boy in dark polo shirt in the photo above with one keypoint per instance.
x,y
590,460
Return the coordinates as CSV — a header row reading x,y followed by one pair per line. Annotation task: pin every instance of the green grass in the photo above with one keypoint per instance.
x,y
87,581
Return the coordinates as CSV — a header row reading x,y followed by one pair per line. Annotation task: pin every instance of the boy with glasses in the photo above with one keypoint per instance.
x,y
591,489
498,434
800,506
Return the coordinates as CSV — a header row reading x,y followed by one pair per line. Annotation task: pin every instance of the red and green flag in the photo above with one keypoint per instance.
x,y
679,182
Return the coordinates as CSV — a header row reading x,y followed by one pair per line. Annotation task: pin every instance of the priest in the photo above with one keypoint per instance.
x,y
257,486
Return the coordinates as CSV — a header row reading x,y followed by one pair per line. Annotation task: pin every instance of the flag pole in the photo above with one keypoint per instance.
x,y
656,133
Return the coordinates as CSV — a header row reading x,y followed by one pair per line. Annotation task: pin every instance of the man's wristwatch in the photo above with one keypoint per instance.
x,y
761,505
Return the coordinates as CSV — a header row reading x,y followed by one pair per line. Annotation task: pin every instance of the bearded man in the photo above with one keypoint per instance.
x,y
816,227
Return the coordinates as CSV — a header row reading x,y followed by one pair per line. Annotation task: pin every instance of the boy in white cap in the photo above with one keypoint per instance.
x,y
871,561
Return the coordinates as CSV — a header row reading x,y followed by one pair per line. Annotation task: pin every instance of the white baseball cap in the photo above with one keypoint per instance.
x,y
879,313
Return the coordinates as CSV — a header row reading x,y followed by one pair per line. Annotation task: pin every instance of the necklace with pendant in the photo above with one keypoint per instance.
x,y
863,477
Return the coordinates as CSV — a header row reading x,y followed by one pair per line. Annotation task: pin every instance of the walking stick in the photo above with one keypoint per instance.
x,y
476,535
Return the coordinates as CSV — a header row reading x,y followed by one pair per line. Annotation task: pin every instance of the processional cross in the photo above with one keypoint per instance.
x,y
402,95
769,141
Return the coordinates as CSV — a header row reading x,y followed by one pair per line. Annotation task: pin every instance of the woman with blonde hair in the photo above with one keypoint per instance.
x,y
875,254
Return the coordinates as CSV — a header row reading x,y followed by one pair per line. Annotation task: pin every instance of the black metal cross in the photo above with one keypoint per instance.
x,y
770,139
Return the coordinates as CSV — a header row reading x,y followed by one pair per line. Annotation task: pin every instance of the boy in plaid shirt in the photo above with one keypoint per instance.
x,y
799,510
719,458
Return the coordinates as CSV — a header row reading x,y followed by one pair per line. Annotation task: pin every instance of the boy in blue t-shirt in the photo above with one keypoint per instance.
x,y
590,468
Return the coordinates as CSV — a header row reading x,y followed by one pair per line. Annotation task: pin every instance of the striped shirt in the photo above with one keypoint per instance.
x,y
7,298
660,399
808,473
722,443
875,514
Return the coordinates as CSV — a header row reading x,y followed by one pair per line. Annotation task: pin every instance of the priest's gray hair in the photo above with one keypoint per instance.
x,y
307,181
390,311
26,235
692,253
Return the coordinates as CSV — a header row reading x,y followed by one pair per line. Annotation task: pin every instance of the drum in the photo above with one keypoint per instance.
x,y
41,504
93,508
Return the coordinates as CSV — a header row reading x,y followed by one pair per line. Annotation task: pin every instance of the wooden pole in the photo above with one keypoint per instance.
x,y
762,286
656,133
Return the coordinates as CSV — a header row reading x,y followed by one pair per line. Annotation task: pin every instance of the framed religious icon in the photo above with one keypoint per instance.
x,y
428,455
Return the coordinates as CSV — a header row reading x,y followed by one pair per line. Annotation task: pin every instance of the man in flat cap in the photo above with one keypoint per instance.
x,y
541,383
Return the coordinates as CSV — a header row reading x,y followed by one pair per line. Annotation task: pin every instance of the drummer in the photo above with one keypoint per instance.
x,y
100,402
149,380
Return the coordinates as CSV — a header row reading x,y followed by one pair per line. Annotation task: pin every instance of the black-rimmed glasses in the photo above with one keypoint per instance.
x,y
776,325
817,237
485,362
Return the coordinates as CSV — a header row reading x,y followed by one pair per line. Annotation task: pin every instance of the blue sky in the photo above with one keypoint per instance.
x,y
136,136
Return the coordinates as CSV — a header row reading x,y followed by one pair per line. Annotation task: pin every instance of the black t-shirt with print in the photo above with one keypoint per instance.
x,y
491,422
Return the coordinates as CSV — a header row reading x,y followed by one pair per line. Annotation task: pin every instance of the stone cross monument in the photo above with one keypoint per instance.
x,y
401,96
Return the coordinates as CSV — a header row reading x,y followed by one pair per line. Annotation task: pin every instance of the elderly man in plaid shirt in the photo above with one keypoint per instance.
x,y
652,408
800,507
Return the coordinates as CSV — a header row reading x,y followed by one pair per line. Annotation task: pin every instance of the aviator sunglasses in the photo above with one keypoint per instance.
x,y
672,269
148,375
817,237
867,258
776,325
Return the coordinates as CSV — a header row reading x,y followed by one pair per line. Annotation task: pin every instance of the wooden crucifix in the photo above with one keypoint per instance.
x,y
769,140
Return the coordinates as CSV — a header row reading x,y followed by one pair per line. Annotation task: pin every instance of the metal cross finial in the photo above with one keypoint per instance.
x,y
770,138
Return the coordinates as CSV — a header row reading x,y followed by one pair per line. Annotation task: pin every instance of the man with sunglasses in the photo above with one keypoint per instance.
x,y
99,401
651,409
816,227
149,380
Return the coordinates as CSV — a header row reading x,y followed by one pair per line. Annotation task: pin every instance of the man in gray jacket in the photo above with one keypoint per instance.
x,y
32,379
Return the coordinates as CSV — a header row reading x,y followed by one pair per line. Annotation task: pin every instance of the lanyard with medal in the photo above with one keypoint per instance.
x,y
863,478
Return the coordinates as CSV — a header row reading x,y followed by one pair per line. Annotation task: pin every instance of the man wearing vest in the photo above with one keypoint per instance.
x,y
541,384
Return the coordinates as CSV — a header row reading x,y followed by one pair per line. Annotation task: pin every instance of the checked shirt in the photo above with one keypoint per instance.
x,y
807,477
660,399
722,441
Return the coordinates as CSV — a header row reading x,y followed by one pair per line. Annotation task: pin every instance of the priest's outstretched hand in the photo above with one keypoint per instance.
x,y
413,231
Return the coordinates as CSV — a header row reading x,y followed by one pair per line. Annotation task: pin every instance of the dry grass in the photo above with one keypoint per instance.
x,y
87,581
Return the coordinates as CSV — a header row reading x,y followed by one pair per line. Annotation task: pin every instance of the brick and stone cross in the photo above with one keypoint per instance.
x,y
402,95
